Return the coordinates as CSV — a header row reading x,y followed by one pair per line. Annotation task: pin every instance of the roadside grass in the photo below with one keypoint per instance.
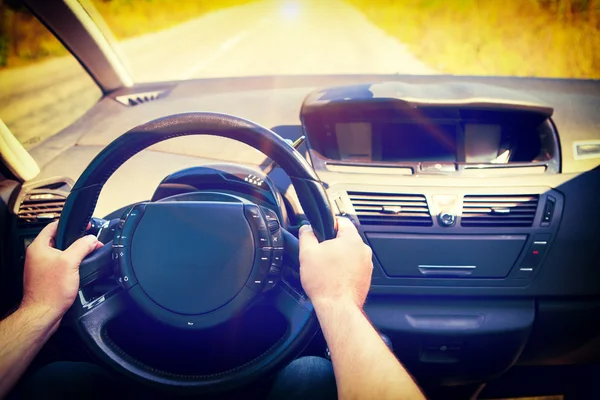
x,y
540,38
24,40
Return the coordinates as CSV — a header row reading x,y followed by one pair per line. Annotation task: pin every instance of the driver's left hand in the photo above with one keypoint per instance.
x,y
51,276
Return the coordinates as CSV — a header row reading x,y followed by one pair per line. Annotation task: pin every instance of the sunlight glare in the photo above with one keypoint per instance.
x,y
290,10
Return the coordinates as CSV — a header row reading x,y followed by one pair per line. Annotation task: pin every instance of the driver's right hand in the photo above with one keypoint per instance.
x,y
338,269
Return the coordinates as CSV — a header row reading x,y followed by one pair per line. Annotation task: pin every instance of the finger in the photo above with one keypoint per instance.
x,y
346,228
307,237
47,235
80,248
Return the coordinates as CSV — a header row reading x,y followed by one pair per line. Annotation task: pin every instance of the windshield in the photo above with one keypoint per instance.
x,y
43,89
173,40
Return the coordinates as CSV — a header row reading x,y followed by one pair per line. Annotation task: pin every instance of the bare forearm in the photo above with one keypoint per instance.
x,y
364,367
22,335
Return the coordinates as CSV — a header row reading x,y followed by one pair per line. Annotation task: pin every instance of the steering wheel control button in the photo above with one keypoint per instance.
x,y
270,284
264,260
274,227
276,262
129,226
125,213
262,235
122,246
125,276
446,218
118,233
277,239
258,276
126,282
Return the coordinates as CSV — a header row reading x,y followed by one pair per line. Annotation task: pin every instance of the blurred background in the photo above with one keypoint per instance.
x,y
43,88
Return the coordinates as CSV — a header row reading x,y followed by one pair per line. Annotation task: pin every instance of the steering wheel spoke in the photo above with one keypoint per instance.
x,y
293,305
97,265
98,312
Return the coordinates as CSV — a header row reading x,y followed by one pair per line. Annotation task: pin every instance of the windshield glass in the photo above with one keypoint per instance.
x,y
172,40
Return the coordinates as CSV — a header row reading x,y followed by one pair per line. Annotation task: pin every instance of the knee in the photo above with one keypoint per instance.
x,y
312,365
305,378
310,369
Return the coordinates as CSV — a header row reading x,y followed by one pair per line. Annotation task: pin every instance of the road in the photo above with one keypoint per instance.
x,y
270,37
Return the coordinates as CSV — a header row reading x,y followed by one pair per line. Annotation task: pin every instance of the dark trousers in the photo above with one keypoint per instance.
x,y
304,378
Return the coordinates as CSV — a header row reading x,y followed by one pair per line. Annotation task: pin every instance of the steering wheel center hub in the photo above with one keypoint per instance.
x,y
183,263
181,268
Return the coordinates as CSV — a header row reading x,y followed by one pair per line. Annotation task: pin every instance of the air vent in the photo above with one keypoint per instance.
x,y
391,209
491,211
40,208
586,149
135,99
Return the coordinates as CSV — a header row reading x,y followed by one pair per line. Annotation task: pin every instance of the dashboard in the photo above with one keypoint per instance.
x,y
439,237
479,201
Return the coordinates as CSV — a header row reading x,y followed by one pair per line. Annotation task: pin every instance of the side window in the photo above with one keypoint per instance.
x,y
43,89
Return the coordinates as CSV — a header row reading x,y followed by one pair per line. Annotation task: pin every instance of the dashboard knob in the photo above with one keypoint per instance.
x,y
446,218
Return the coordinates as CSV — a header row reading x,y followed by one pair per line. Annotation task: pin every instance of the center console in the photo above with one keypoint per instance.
x,y
453,237
438,222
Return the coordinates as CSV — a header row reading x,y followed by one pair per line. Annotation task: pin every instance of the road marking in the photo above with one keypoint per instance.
x,y
224,48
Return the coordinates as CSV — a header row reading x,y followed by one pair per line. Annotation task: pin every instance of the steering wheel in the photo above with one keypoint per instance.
x,y
200,286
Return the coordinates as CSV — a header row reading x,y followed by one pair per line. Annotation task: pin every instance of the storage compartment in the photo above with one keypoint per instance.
x,y
454,341
453,256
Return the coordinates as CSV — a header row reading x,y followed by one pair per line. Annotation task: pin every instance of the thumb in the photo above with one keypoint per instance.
x,y
81,248
307,237
346,228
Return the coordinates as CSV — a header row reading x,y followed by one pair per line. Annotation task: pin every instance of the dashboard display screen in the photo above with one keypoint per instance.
x,y
412,142
354,140
482,144
418,142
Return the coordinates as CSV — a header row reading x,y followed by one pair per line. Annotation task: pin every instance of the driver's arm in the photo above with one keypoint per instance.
x,y
50,284
336,275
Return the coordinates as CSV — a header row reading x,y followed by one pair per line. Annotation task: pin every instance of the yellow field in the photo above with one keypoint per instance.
x,y
543,38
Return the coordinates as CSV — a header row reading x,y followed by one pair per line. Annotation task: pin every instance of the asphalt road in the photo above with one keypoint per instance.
x,y
269,37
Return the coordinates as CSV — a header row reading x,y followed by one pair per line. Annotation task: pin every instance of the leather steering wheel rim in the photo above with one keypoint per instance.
x,y
82,200
80,205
